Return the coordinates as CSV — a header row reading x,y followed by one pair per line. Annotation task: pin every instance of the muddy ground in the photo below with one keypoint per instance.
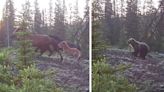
x,y
147,74
71,75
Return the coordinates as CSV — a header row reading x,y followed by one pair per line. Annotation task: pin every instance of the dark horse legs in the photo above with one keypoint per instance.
x,y
36,50
50,52
61,58
42,50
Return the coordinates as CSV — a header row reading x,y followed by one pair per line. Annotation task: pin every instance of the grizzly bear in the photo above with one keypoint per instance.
x,y
141,49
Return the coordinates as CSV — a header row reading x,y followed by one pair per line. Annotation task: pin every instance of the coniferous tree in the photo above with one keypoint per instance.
x,y
85,32
50,18
108,21
159,28
76,26
111,23
59,25
37,18
132,19
44,24
148,6
97,45
145,19
26,15
8,20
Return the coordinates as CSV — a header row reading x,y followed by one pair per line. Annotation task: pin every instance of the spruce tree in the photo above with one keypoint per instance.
x,y
8,20
59,24
37,18
132,19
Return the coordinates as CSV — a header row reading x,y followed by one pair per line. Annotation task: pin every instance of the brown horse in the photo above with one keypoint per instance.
x,y
42,42
73,51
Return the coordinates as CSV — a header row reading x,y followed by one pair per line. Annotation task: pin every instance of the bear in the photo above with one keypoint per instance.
x,y
141,49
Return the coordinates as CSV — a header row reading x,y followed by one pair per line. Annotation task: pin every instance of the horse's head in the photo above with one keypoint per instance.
x,y
16,31
14,34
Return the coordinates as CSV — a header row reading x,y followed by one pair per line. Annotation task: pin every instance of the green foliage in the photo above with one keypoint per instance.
x,y
31,72
3,56
98,47
29,80
110,79
147,86
5,75
32,80
25,50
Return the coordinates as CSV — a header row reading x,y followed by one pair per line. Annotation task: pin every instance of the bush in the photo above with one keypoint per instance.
x,y
109,79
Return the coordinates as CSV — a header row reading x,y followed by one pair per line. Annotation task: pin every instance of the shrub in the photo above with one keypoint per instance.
x,y
109,79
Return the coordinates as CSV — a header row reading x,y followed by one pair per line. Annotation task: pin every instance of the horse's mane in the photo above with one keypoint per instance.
x,y
56,38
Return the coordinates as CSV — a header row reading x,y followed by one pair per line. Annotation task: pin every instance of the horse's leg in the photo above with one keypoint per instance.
x,y
36,50
61,57
50,49
42,51
50,52
79,56
74,54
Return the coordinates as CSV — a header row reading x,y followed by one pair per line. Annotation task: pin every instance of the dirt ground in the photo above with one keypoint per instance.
x,y
148,74
71,75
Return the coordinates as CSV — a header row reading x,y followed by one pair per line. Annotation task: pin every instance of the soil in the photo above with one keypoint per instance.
x,y
147,74
71,75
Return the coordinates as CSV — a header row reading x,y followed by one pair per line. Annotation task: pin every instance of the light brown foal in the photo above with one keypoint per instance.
x,y
67,49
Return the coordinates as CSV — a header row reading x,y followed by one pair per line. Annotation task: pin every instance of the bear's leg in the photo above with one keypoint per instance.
x,y
142,54
135,54
50,52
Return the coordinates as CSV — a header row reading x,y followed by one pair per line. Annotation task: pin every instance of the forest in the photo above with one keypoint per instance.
x,y
115,67
29,46
139,19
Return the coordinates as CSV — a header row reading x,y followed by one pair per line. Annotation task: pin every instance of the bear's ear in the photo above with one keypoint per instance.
x,y
130,40
133,39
